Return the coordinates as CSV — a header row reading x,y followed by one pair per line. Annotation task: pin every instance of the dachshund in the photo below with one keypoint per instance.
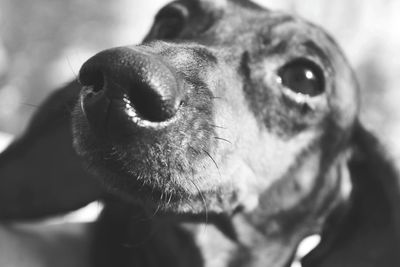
x,y
224,139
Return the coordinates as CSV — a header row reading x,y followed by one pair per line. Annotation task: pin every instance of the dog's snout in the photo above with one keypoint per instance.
x,y
140,79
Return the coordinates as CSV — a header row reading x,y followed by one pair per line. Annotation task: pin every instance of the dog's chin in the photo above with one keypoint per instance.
x,y
173,194
146,192
171,197
151,197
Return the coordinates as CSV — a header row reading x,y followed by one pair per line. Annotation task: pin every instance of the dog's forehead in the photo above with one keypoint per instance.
x,y
240,21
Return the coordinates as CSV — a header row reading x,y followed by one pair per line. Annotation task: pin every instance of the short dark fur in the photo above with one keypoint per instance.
x,y
224,143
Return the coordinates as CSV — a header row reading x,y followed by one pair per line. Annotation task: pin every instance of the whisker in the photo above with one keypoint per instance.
x,y
223,139
156,211
204,203
29,105
170,199
215,163
72,69
67,107
217,126
194,149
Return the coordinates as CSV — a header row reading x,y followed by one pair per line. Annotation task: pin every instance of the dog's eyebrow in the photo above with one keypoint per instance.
x,y
313,48
278,48
275,45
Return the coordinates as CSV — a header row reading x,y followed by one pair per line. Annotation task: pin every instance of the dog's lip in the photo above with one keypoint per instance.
x,y
140,191
159,196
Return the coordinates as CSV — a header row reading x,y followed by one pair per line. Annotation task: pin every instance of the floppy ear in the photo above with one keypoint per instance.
x,y
40,174
364,232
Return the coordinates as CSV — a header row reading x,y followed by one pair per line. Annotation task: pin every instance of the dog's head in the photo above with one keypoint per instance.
x,y
222,103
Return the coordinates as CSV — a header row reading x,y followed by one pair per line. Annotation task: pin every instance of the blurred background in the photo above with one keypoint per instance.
x,y
44,42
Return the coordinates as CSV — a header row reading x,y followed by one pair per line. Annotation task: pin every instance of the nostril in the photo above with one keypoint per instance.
x,y
92,77
148,104
155,98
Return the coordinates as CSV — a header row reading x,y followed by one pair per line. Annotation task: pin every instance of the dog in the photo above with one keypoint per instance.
x,y
224,139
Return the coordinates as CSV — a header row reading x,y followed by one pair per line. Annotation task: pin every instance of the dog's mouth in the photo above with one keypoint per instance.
x,y
149,195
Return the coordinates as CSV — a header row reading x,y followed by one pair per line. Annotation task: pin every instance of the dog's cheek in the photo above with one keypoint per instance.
x,y
274,161
254,158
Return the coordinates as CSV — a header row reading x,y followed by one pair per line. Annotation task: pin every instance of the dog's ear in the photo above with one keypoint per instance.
x,y
367,228
40,174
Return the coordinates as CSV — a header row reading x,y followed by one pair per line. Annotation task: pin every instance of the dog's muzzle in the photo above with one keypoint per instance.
x,y
140,123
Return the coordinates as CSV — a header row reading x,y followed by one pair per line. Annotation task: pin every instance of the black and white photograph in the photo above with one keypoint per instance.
x,y
199,133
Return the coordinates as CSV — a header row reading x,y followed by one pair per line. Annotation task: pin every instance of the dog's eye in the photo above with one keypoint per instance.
x,y
170,21
302,76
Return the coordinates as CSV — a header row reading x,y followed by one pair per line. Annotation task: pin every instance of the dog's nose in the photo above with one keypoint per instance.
x,y
139,78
